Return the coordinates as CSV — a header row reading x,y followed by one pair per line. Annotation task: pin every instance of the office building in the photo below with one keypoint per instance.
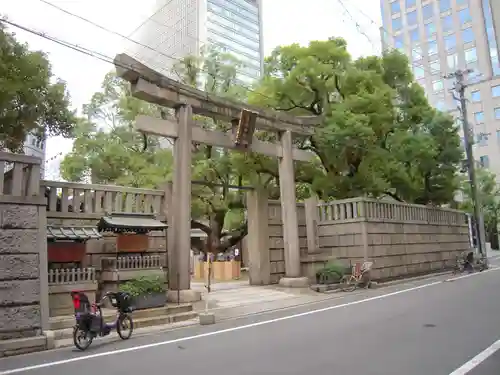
x,y
182,27
441,36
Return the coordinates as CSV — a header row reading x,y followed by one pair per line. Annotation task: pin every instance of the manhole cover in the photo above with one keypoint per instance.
x,y
429,325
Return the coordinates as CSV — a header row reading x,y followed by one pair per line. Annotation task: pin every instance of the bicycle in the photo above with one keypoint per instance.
x,y
349,283
90,322
461,264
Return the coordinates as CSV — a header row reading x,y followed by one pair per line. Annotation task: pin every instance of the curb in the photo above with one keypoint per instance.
x,y
335,289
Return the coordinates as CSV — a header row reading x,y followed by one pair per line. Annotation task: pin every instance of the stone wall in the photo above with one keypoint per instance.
x,y
23,258
400,239
276,241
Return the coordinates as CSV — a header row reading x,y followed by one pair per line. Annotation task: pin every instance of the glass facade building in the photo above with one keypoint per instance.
x,y
181,27
441,36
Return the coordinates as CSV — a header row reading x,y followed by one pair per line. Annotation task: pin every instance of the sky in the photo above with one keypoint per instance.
x,y
285,22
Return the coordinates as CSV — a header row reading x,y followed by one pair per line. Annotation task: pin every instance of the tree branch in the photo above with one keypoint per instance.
x,y
197,225
234,238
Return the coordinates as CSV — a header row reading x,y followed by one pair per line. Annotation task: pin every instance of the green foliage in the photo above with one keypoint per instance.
x,y
29,101
107,149
489,195
331,273
144,285
379,135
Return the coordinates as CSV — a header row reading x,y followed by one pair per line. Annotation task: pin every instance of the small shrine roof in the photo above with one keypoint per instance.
x,y
72,233
130,222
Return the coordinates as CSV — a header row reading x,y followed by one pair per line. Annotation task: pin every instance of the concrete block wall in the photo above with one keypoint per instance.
x,y
276,240
400,239
400,249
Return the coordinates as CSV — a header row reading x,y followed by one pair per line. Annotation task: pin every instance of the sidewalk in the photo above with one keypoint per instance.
x,y
236,298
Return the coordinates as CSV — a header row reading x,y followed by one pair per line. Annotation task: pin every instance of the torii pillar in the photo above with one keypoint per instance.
x,y
293,278
179,233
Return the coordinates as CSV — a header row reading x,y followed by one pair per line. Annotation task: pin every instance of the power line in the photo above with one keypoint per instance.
x,y
150,18
200,69
372,21
358,26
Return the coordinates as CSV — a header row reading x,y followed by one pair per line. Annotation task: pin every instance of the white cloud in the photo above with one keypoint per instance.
x,y
285,22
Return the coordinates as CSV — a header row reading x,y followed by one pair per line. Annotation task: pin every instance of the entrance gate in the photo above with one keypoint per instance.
x,y
187,101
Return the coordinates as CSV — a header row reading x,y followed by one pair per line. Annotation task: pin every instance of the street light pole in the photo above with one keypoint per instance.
x,y
460,87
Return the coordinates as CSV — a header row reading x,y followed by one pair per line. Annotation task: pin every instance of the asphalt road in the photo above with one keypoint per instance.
x,y
425,328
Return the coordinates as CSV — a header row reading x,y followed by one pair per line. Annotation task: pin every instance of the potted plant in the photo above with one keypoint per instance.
x,y
331,273
147,292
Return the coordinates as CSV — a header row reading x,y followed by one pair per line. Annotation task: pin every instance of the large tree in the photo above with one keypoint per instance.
x,y
29,101
107,149
379,135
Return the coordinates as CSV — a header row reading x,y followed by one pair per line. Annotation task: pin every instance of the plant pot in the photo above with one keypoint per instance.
x,y
149,301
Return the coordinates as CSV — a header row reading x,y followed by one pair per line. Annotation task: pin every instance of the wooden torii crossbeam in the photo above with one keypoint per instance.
x,y
154,87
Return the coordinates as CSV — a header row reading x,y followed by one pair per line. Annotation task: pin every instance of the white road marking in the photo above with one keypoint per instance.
x,y
477,360
233,329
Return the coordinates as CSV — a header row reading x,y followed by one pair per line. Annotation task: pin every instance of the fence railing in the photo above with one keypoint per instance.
x,y
67,199
19,175
131,262
72,276
372,209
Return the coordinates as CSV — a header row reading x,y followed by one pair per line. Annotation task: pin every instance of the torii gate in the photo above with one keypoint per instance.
x,y
155,88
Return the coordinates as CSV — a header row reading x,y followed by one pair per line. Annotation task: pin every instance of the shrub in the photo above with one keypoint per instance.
x,y
331,273
144,285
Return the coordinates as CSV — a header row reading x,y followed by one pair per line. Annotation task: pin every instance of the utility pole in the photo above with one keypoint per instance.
x,y
460,87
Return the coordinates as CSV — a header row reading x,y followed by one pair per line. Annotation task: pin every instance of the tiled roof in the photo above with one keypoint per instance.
x,y
72,233
130,222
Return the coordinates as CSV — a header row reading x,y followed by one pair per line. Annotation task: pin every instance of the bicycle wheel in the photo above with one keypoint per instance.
x,y
348,284
82,339
125,326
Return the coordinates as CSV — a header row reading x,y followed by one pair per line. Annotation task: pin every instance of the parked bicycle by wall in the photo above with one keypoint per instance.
x,y
90,321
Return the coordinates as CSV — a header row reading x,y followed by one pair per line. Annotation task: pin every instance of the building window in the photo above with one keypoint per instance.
x,y
411,3
444,5
398,42
475,96
436,67
470,55
497,113
427,11
416,53
437,85
479,117
452,61
414,36
419,73
495,91
447,23
467,35
462,2
397,24
411,18
450,42
430,29
441,105
432,47
395,7
484,161
464,16
482,139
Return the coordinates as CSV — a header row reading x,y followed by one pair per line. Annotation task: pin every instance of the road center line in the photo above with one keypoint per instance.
x,y
214,333
478,359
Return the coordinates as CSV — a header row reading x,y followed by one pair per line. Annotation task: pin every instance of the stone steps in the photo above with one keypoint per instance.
x,y
63,326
